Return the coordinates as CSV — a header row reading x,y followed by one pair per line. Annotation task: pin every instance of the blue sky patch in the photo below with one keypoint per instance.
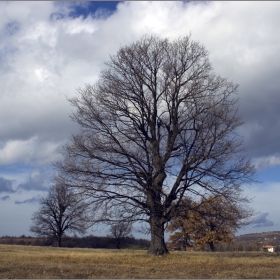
x,y
271,174
84,9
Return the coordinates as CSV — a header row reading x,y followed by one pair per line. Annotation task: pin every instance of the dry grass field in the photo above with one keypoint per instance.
x,y
48,262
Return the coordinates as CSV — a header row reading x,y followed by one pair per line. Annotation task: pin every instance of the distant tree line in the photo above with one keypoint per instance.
x,y
245,246
241,247
90,241
107,242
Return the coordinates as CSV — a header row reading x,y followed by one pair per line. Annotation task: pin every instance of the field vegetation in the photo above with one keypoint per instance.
x,y
52,263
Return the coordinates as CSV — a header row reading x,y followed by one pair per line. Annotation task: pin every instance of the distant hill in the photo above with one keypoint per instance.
x,y
263,238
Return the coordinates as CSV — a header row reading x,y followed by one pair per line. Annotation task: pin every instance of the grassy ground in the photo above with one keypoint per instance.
x,y
47,262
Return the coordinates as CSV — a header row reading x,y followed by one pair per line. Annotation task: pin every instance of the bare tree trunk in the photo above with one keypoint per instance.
x,y
58,241
118,243
157,246
212,248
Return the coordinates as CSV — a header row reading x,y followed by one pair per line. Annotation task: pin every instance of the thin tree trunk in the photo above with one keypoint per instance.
x,y
118,243
212,248
59,241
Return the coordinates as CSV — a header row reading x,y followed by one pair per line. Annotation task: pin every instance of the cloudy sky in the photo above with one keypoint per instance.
x,y
49,49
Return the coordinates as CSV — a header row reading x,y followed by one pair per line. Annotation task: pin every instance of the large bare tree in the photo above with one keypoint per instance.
x,y
158,125
60,212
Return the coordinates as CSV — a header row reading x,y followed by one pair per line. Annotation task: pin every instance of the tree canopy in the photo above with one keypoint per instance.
x,y
120,231
156,127
211,220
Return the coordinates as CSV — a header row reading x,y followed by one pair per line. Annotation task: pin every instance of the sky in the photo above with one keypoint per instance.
x,y
50,49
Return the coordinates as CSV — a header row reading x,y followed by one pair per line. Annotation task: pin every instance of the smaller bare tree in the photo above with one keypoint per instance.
x,y
120,231
60,212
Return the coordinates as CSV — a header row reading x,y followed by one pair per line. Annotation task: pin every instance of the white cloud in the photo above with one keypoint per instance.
x,y
34,199
265,203
51,58
44,57
265,162
17,217
3,198
260,220
39,180
31,151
